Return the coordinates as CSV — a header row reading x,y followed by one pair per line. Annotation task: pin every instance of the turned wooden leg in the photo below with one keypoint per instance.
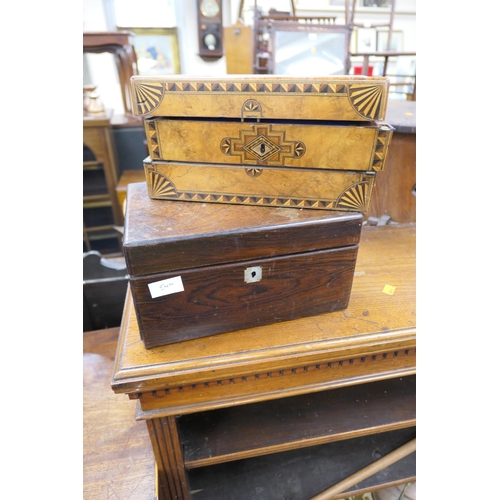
x,y
172,481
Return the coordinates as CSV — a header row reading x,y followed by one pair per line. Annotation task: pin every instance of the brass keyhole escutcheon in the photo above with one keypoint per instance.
x,y
262,148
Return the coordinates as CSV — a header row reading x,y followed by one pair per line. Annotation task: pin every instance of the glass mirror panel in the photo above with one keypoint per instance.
x,y
303,53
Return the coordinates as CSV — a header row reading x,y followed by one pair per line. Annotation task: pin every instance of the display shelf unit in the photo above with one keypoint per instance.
x,y
297,422
319,437
300,474
101,211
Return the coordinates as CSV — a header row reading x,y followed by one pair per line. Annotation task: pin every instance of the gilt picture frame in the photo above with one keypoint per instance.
x,y
157,51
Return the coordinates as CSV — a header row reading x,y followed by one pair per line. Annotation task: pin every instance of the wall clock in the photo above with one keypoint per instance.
x,y
210,33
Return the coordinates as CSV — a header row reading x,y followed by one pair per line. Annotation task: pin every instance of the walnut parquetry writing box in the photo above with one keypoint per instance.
x,y
264,140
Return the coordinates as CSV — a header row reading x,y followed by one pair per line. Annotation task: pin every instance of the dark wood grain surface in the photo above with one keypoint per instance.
x,y
165,235
216,436
217,299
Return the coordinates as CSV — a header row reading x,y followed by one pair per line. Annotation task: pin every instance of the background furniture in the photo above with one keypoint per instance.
x,y
407,83
401,83
285,43
288,44
101,210
317,398
130,142
394,194
121,45
104,288
127,130
128,177
238,43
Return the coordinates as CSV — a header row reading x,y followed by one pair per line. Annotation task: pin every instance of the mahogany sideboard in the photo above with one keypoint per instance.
x,y
286,410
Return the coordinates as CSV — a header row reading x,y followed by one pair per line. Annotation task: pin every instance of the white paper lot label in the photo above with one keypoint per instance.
x,y
166,287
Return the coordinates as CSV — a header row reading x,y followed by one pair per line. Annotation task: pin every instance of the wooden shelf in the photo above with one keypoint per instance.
x,y
213,437
94,182
96,200
100,203
104,239
128,177
304,473
92,165
97,215
101,228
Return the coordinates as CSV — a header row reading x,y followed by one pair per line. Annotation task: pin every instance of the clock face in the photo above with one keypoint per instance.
x,y
209,8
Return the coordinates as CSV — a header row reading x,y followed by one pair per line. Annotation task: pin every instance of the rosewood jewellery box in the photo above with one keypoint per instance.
x,y
264,140
275,145
199,269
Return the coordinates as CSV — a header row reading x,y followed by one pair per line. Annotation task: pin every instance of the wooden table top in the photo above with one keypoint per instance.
x,y
97,119
118,459
230,368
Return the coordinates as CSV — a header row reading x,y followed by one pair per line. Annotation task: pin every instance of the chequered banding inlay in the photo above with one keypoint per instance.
x,y
366,98
381,147
355,198
258,87
154,146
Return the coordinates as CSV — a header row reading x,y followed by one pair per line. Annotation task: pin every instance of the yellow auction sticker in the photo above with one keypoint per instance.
x,y
389,289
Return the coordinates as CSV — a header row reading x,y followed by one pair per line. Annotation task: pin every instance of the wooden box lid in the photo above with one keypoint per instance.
x,y
167,235
351,98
